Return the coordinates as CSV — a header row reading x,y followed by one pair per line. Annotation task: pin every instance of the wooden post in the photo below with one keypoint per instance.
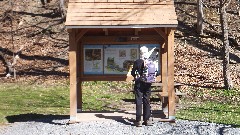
x,y
79,83
164,76
79,95
79,75
79,60
170,80
73,74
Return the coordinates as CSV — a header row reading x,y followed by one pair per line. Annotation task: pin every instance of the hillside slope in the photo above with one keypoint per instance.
x,y
40,34
199,59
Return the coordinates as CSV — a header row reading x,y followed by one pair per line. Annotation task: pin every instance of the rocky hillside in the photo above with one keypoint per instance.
x,y
40,41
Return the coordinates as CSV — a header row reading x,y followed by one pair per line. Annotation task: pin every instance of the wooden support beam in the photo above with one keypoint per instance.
x,y
79,95
69,30
159,77
136,31
161,33
164,74
106,31
80,34
141,39
170,80
73,75
79,75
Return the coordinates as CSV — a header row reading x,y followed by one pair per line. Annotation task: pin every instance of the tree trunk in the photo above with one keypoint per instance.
x,y
62,8
11,67
199,17
226,66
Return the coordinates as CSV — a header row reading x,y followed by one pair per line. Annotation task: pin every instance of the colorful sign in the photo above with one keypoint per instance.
x,y
93,59
115,59
119,58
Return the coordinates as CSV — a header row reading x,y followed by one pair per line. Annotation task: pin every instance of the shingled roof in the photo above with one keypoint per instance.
x,y
120,14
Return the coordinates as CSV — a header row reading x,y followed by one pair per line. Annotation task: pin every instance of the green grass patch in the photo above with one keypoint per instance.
x,y
20,99
216,95
104,95
16,99
210,111
211,105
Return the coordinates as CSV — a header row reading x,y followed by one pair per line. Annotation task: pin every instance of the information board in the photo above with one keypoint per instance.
x,y
115,59
93,59
119,58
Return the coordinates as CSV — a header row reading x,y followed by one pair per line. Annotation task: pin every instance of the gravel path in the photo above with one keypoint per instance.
x,y
111,127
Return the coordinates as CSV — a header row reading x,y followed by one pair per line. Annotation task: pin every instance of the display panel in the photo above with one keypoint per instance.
x,y
93,59
119,58
115,59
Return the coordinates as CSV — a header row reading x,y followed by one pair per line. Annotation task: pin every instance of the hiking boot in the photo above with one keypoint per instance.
x,y
138,124
147,123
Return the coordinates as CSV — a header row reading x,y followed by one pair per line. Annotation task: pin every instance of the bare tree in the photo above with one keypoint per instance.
x,y
63,7
43,2
238,1
200,17
10,63
224,25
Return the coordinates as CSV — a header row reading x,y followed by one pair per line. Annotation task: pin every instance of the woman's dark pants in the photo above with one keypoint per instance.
x,y
142,99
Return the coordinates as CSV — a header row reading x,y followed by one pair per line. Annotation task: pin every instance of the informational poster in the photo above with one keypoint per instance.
x,y
116,59
93,59
119,58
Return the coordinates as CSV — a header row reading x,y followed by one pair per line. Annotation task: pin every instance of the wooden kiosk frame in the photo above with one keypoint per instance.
x,y
130,22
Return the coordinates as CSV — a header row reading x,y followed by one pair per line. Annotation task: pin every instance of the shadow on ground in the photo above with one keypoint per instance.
x,y
32,117
128,117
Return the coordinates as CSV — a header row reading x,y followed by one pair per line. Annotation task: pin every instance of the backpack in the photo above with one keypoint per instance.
x,y
149,72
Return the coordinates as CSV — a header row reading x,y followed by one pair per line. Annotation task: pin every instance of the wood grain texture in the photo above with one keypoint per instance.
x,y
115,12
73,74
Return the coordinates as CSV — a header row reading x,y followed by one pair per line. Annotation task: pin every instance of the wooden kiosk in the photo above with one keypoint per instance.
x,y
105,36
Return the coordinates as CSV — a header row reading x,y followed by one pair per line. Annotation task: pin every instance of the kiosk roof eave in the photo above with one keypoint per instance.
x,y
120,26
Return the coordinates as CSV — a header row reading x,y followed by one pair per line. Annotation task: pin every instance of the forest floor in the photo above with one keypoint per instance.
x,y
41,42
